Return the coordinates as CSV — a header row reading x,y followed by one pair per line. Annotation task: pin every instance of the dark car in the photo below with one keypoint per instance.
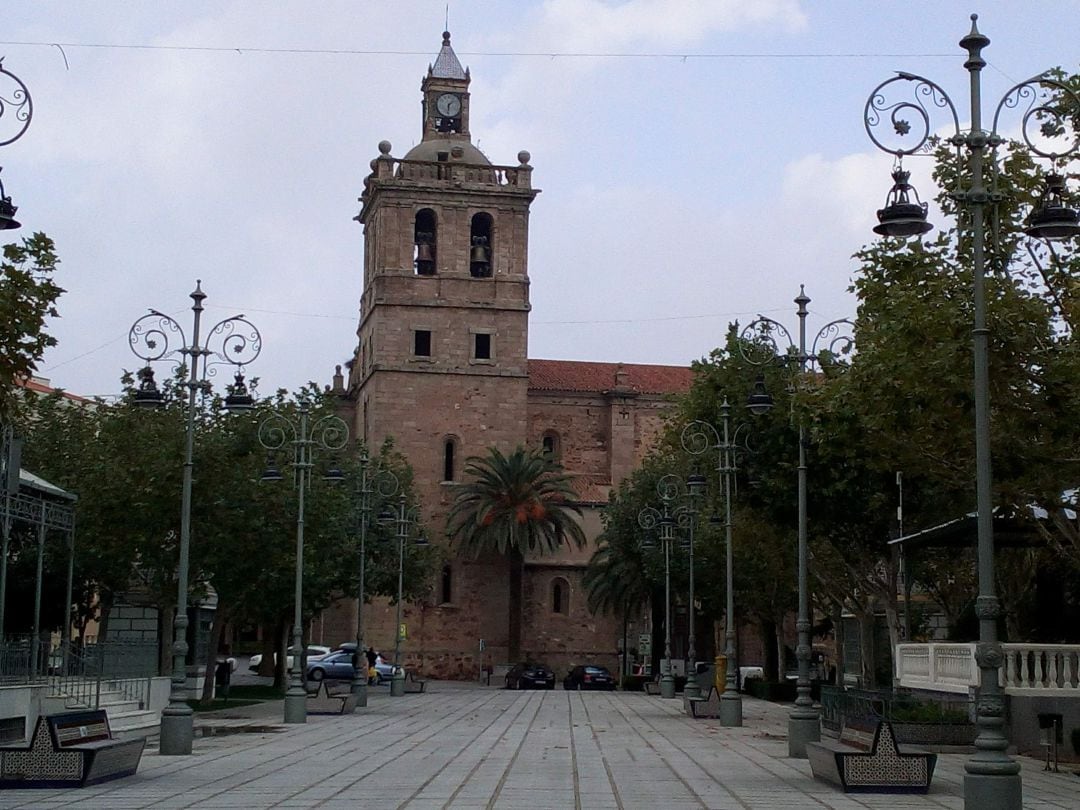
x,y
530,676
587,676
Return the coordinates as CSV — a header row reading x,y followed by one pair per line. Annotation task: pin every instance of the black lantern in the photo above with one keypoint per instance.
x,y
900,216
1053,219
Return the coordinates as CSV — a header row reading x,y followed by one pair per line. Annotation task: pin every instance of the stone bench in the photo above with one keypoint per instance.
x,y
72,749
708,706
321,700
414,684
885,768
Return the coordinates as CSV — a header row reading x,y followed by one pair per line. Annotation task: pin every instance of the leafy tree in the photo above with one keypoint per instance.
x,y
514,504
27,298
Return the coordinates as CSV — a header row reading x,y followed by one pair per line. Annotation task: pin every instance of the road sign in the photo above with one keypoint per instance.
x,y
645,645
403,631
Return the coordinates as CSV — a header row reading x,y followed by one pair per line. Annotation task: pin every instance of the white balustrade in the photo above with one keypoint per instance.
x,y
1026,667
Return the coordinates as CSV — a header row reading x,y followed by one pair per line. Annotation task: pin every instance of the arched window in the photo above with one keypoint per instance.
x,y
480,237
449,468
549,444
425,233
560,596
446,592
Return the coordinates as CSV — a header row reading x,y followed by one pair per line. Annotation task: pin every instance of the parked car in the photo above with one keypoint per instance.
x,y
530,676
384,670
338,666
588,676
314,652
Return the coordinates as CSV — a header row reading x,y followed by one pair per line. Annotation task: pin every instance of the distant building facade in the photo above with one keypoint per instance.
x,y
442,368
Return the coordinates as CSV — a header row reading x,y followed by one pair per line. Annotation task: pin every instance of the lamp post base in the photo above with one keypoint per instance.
x,y
731,709
692,689
177,730
296,705
803,728
397,683
667,686
992,792
359,688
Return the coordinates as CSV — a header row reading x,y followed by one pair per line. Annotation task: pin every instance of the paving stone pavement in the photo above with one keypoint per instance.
x,y
459,746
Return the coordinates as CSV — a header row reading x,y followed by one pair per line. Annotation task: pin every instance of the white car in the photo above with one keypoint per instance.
x,y
314,653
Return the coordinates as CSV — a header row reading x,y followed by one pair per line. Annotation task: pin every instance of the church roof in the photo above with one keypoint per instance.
x,y
584,376
446,64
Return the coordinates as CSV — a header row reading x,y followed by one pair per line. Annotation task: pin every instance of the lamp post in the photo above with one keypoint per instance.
x,y
406,517
16,110
992,778
699,437
762,341
383,483
153,338
329,433
666,518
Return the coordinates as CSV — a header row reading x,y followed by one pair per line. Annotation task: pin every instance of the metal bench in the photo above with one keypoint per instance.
x,y
73,749
885,768
652,687
414,684
708,706
323,701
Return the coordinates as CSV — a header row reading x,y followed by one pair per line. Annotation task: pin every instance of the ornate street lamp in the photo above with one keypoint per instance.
x,y
384,483
665,519
406,518
992,778
16,110
767,341
329,433
700,437
234,341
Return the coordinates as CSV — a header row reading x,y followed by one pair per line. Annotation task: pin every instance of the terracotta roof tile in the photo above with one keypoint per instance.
x,y
576,375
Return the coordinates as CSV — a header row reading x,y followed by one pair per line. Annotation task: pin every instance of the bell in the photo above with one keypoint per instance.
x,y
1053,219
479,254
478,258
901,216
424,253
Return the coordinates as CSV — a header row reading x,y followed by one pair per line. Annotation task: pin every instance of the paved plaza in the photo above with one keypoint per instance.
x,y
461,746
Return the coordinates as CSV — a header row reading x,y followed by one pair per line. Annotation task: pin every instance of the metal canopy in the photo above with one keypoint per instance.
x,y
1009,532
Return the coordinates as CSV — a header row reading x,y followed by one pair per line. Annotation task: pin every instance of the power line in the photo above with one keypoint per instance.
x,y
497,54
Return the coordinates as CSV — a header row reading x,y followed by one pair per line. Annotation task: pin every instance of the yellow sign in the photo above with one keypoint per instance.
x,y
403,631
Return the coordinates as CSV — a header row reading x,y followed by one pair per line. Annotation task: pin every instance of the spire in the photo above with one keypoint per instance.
x,y
446,64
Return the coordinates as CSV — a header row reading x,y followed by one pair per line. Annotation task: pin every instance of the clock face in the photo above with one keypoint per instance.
x,y
448,105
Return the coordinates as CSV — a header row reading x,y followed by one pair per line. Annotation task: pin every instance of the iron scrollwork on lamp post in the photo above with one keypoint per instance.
x,y
664,520
329,433
382,483
700,437
762,342
16,110
992,778
234,341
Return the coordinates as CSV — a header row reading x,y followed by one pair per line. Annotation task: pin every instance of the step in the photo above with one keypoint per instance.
x,y
132,724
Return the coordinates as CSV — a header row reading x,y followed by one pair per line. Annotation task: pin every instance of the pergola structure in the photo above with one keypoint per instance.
x,y
34,502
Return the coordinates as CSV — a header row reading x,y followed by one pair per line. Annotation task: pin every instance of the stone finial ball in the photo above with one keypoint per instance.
x,y
384,147
523,157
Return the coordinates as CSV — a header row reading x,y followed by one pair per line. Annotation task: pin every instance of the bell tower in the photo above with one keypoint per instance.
x,y
443,333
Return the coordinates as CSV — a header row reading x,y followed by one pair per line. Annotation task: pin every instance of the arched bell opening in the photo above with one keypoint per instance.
x,y
425,231
480,238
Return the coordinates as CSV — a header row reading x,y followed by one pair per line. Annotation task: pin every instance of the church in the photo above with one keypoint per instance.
x,y
442,368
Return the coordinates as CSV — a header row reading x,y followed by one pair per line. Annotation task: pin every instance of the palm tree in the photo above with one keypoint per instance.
x,y
517,503
615,581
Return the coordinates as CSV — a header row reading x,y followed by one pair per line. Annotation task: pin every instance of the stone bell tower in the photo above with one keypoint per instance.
x,y
441,361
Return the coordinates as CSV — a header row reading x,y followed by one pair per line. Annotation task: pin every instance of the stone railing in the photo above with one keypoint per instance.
x,y
452,172
951,667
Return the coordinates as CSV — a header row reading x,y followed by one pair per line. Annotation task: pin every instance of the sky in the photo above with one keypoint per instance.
x,y
699,159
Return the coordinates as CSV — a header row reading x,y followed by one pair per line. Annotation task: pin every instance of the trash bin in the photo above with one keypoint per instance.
x,y
721,673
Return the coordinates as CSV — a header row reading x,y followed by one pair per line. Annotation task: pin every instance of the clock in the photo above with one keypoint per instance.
x,y
448,105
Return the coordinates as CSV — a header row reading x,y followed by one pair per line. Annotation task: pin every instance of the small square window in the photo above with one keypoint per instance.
x,y
422,343
482,346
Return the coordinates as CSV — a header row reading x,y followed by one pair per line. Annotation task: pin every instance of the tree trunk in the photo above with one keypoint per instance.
x,y
841,641
282,654
517,569
165,654
866,649
781,659
211,654
268,646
